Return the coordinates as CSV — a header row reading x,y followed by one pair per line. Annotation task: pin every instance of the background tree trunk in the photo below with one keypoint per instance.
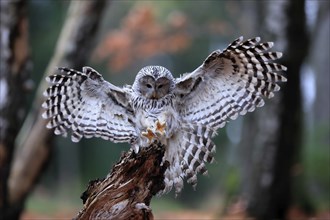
x,y
321,64
275,132
14,83
33,150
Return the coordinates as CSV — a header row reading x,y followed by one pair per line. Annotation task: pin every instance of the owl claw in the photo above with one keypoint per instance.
x,y
157,131
160,128
149,134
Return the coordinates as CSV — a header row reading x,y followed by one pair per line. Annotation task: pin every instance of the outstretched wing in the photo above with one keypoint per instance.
x,y
89,106
230,83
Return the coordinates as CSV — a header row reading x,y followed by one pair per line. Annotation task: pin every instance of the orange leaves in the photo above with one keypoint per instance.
x,y
142,36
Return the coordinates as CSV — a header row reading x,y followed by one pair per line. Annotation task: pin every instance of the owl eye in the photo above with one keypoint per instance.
x,y
160,86
149,86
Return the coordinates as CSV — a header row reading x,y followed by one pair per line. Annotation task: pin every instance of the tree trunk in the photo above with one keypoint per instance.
x,y
290,137
275,132
320,61
33,150
127,191
14,83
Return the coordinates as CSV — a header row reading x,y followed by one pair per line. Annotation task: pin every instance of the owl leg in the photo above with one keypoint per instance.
x,y
160,128
149,134
157,131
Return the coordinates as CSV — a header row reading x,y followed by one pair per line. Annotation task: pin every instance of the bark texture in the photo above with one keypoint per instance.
x,y
127,191
15,66
33,150
275,132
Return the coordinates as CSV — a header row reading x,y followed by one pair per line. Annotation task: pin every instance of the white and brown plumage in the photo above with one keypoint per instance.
x,y
182,113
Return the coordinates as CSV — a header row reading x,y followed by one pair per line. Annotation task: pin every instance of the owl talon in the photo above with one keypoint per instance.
x,y
160,128
149,134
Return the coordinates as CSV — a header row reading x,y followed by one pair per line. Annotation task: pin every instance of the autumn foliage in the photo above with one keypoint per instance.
x,y
142,36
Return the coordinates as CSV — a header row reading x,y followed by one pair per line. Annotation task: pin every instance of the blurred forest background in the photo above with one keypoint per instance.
x,y
271,163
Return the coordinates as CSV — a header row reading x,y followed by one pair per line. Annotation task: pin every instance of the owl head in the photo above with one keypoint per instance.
x,y
154,82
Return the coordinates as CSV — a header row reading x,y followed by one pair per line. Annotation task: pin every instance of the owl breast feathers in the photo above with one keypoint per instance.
x,y
182,113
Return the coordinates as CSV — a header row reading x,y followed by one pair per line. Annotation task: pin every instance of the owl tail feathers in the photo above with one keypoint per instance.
x,y
173,178
187,153
197,149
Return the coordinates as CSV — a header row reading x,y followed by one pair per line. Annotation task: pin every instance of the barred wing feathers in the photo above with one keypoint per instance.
x,y
89,106
230,83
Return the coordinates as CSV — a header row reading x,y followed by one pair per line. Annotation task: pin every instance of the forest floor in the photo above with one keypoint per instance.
x,y
43,206
294,214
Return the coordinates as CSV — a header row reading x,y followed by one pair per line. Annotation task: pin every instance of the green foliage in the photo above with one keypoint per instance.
x,y
317,165
46,18
160,204
232,181
55,203
97,158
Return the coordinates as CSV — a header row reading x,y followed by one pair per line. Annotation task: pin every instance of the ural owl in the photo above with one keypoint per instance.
x,y
182,113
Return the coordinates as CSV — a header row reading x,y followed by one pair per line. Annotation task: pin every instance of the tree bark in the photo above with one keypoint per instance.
x,y
276,131
33,149
127,191
14,84
320,61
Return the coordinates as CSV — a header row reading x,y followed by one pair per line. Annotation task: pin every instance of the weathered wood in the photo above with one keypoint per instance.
x,y
126,192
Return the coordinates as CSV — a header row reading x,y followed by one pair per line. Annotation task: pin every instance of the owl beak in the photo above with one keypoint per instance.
x,y
154,95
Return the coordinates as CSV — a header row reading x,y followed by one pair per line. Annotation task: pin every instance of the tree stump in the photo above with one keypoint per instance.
x,y
126,192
